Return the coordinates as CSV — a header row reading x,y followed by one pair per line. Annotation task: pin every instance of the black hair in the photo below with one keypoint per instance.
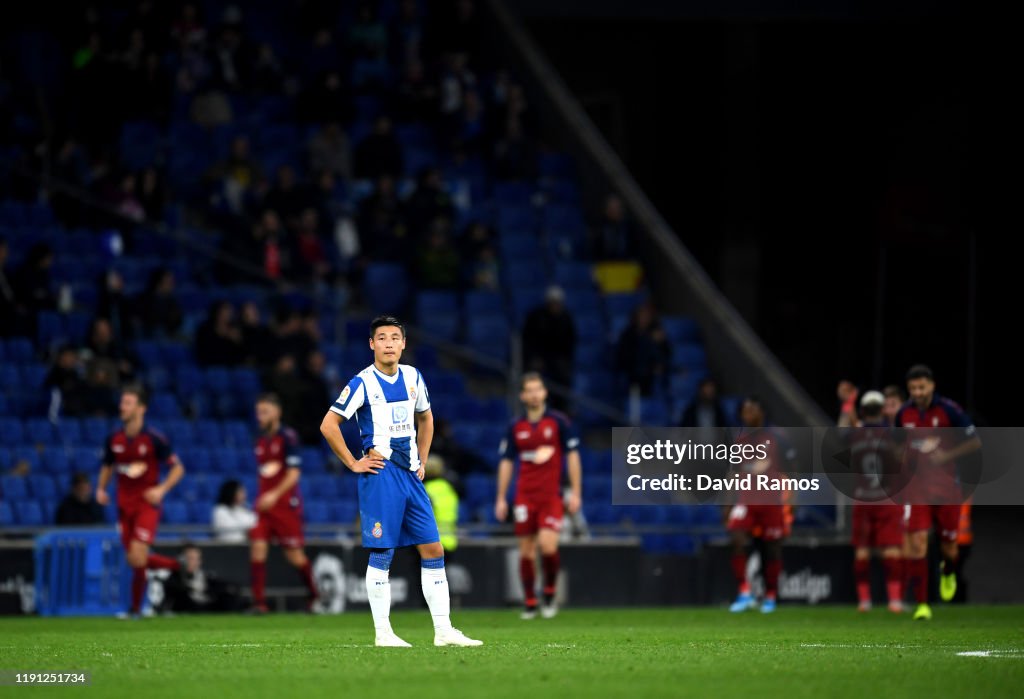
x,y
137,390
384,321
79,477
531,376
269,398
871,410
920,371
228,491
756,400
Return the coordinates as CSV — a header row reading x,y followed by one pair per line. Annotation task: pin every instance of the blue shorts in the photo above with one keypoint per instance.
x,y
394,509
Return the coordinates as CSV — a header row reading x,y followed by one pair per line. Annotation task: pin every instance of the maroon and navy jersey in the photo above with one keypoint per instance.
x,y
275,454
930,429
874,458
541,448
137,463
779,452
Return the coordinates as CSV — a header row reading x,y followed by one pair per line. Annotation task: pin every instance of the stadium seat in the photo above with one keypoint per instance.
x,y
689,356
344,512
385,283
316,511
176,512
56,463
681,329
29,513
11,430
431,303
13,487
483,303
6,515
42,487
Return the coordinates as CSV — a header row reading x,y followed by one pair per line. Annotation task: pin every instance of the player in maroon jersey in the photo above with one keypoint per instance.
x,y
758,513
877,520
279,504
544,442
137,452
939,433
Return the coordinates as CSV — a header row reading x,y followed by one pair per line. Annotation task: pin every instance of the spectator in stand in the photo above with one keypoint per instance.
x,y
379,154
268,74
231,53
438,262
272,251
847,392
415,98
428,202
31,283
456,80
283,380
257,340
612,236
232,517
406,34
312,261
9,314
382,228
218,339
367,37
113,305
79,507
706,410
458,459
286,197
237,174
329,151
292,336
159,312
125,200
894,400
102,348
69,392
152,194
643,351
514,154
549,342
314,391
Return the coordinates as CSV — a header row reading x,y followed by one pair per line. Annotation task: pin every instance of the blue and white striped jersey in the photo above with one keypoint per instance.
x,y
384,408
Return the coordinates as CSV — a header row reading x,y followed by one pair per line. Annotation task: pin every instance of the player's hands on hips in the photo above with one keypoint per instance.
x,y
102,497
266,501
153,495
371,463
421,473
500,510
573,502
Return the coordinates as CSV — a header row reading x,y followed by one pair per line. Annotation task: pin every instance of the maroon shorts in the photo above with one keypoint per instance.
x,y
877,526
532,515
282,527
138,522
765,521
919,518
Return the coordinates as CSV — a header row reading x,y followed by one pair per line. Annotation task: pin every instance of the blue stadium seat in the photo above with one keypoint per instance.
x,y
95,430
563,219
238,433
385,286
195,460
208,433
6,515
319,486
28,513
316,511
11,430
19,350
176,512
519,274
70,431
344,512
689,356
163,406
57,464
553,164
622,304
681,329
42,487
13,487
430,303
515,219
313,459
519,246
483,303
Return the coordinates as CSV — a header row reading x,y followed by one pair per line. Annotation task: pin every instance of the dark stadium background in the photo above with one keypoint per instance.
x,y
807,140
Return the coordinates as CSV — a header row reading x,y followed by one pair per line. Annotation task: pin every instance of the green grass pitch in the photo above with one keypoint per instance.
x,y
797,652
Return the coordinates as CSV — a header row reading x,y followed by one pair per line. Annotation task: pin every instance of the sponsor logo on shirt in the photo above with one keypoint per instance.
x,y
133,469
270,469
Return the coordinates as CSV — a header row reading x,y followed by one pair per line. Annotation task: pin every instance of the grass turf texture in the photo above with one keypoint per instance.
x,y
797,652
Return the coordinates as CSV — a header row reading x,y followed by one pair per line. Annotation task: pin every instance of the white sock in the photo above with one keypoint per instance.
x,y
378,592
435,591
